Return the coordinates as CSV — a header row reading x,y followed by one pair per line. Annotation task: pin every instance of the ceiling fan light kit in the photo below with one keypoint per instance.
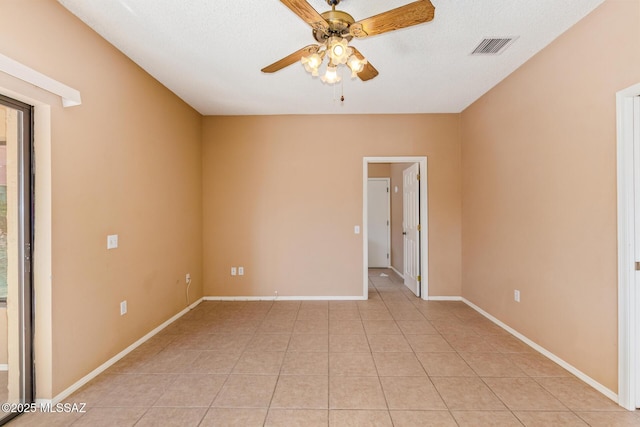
x,y
334,29
339,53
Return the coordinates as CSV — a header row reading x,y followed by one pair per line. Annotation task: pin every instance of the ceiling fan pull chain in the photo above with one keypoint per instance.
x,y
335,87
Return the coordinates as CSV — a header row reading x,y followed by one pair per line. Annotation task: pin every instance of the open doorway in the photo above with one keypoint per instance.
x,y
408,248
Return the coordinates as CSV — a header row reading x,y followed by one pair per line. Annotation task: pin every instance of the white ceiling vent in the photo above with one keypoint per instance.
x,y
493,46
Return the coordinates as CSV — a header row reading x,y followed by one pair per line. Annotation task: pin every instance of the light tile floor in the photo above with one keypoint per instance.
x,y
393,360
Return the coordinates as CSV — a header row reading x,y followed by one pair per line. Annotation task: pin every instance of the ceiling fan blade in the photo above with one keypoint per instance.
x,y
369,71
294,57
308,14
414,13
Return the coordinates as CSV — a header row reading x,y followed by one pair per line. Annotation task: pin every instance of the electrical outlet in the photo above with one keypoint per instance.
x,y
234,271
123,308
516,295
240,271
187,278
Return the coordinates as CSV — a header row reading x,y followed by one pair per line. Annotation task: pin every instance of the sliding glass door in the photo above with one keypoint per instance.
x,y
16,335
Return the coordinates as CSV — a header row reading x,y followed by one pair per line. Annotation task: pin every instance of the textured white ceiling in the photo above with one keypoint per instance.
x,y
210,52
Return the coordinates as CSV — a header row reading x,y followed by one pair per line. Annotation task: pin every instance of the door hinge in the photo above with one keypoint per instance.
x,y
637,265
419,278
387,223
418,176
387,189
419,227
387,256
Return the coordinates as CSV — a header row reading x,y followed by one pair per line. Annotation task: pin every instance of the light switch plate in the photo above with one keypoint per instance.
x,y
112,241
356,229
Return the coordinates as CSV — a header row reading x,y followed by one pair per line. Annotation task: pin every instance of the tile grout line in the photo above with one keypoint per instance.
x,y
230,373
275,387
482,379
384,395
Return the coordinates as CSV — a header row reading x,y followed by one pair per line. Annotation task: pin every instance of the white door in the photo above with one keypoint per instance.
x,y
411,227
378,222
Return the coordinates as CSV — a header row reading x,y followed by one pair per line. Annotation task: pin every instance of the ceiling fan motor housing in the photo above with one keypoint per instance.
x,y
339,23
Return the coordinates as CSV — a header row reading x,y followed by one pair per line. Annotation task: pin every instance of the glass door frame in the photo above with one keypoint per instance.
x,y
25,234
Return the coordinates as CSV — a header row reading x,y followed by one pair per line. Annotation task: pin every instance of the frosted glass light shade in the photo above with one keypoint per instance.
x,y
356,65
331,76
312,63
338,50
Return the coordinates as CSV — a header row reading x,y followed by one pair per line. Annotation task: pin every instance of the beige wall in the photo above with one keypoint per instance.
x,y
379,170
539,191
285,207
127,162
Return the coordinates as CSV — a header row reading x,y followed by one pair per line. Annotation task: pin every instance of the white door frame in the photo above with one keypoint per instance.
x,y
388,213
424,233
628,294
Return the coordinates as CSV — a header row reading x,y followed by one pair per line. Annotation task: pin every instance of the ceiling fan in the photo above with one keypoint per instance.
x,y
334,29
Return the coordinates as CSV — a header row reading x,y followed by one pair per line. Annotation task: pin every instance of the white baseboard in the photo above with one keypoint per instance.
x,y
100,369
444,298
396,271
575,371
286,298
